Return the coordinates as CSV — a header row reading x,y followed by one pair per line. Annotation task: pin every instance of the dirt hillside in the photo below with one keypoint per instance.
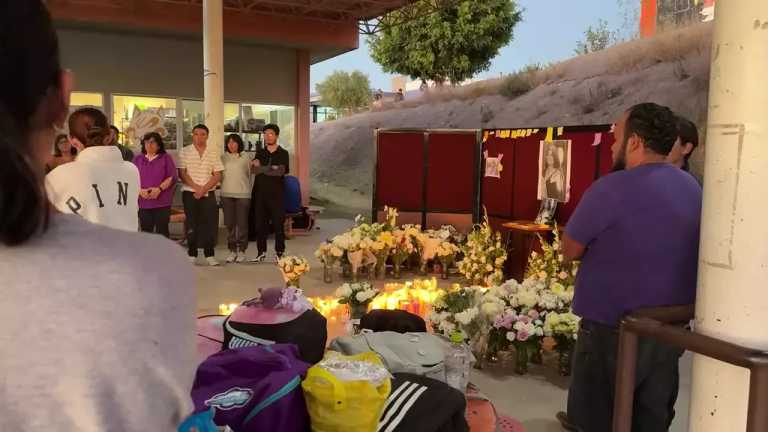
x,y
671,69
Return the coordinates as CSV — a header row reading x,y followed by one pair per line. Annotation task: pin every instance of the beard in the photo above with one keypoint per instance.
x,y
620,163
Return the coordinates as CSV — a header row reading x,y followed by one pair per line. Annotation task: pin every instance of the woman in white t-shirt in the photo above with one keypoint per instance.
x,y
98,324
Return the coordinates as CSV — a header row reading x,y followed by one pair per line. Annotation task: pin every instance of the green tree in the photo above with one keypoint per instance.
x,y
451,44
596,38
345,91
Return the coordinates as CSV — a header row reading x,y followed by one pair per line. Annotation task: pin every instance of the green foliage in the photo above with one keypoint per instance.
x,y
521,82
596,38
450,45
345,91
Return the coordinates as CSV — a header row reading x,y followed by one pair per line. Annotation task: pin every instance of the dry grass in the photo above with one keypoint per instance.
x,y
521,82
673,46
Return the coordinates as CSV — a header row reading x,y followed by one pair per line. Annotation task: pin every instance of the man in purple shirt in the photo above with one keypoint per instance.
x,y
636,231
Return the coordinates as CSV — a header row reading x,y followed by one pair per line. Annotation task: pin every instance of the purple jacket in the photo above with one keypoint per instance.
x,y
152,173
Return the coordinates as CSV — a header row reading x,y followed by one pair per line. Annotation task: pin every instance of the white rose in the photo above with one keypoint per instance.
x,y
361,296
491,309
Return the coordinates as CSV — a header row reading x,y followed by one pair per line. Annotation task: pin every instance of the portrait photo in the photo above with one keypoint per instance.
x,y
554,170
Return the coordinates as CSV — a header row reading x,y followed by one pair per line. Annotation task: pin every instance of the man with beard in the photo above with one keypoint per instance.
x,y
636,231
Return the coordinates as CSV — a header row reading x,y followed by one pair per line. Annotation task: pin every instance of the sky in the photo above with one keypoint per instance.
x,y
548,32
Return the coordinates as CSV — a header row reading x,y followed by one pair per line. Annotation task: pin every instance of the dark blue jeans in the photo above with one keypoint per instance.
x,y
593,380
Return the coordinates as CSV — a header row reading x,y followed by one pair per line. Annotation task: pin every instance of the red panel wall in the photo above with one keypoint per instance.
x,y
451,172
400,170
497,192
514,195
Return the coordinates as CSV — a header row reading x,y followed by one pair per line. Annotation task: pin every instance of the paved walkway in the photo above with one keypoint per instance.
x,y
532,399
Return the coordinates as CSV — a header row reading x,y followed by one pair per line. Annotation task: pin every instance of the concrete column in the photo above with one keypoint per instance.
x,y
732,297
301,124
213,70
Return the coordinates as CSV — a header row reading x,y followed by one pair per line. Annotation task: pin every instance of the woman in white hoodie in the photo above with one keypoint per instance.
x,y
98,324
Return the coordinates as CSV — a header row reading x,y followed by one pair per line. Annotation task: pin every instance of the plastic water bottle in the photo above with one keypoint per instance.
x,y
457,363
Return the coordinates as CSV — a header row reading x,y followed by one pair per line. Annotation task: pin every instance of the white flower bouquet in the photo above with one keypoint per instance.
x,y
484,256
292,267
459,309
357,296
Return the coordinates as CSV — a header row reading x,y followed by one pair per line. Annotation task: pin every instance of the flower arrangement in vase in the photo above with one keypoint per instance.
x,y
403,248
459,310
292,267
328,254
484,256
446,254
564,329
357,297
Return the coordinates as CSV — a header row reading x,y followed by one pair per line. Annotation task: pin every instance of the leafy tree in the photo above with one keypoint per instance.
x,y
345,91
451,44
597,38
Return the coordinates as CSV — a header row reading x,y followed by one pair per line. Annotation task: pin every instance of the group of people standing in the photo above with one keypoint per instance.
x,y
82,176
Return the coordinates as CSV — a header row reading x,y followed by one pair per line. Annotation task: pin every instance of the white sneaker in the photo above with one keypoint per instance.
x,y
231,257
260,258
192,260
212,261
240,258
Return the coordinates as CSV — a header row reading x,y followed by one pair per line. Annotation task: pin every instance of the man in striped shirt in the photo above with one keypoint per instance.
x,y
200,170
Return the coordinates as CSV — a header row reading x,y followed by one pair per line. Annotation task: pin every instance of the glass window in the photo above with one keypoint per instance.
x,y
136,116
255,117
194,114
83,99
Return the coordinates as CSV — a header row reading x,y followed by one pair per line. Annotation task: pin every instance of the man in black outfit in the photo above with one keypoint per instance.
x,y
270,166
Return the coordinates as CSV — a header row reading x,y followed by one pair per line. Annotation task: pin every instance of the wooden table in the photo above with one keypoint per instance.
x,y
520,236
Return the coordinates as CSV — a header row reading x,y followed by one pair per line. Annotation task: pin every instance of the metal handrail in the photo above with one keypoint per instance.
x,y
656,323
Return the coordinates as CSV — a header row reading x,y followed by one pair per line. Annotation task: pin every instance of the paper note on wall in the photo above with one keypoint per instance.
x,y
493,166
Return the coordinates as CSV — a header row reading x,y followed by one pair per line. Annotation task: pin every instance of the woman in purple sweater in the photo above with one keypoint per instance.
x,y
158,178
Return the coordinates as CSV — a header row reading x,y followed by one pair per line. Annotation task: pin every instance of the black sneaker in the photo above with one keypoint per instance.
x,y
260,258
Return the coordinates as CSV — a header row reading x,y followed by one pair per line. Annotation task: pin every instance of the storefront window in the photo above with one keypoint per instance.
x,y
194,114
255,117
136,116
86,99
246,119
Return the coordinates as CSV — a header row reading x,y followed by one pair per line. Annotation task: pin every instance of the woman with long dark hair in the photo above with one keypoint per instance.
x,y
63,152
98,324
158,175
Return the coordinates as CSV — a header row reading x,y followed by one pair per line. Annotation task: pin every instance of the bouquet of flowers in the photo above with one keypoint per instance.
x,y
358,296
292,268
484,256
564,329
459,309
390,218
550,265
446,254
328,253
382,247
403,248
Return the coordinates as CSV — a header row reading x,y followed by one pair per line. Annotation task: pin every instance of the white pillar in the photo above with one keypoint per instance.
x,y
213,70
733,271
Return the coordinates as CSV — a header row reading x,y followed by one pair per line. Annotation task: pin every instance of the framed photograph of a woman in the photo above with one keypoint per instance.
x,y
554,170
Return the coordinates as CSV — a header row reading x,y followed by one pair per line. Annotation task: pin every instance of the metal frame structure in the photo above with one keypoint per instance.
x,y
657,324
372,16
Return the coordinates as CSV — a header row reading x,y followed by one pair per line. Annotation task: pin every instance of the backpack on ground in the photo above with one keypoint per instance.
x,y
253,389
259,326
